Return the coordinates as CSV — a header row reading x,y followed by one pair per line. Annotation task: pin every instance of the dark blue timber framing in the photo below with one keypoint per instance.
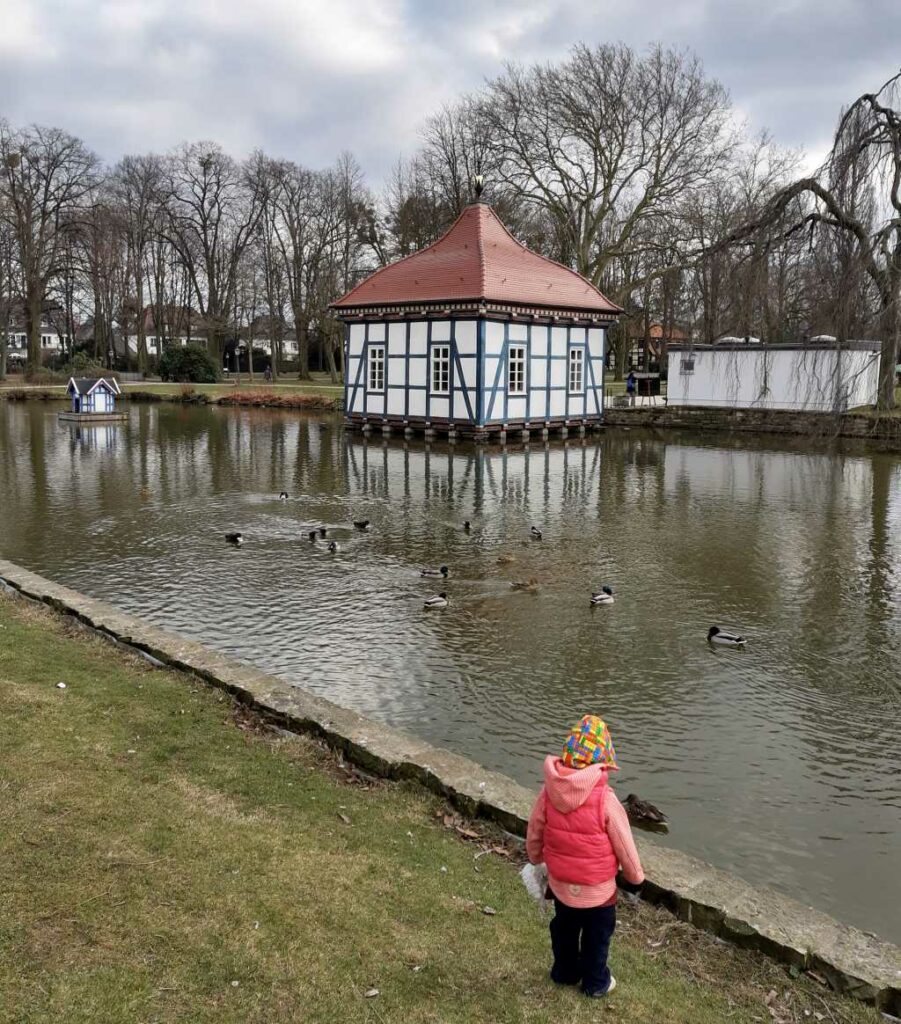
x,y
491,405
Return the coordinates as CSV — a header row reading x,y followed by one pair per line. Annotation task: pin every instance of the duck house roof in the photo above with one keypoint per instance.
x,y
85,385
478,261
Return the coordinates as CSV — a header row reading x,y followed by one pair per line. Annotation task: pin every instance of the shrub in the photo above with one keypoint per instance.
x,y
83,365
191,364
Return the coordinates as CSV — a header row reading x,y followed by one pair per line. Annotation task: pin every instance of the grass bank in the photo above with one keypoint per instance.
x,y
318,393
162,858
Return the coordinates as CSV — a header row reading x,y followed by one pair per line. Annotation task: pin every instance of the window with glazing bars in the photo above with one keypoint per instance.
x,y
516,370
441,369
576,367
376,367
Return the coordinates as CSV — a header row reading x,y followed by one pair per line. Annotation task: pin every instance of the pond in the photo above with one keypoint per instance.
x,y
780,762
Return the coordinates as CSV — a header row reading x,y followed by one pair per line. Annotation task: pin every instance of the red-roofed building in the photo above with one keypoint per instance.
x,y
475,333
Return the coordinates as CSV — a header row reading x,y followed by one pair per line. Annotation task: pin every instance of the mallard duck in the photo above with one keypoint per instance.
x,y
602,596
535,532
530,585
283,496
333,547
235,538
643,813
312,535
361,524
506,559
322,531
438,601
715,635
442,571
467,526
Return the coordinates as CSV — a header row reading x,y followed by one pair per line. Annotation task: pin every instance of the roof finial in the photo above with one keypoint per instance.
x,y
479,182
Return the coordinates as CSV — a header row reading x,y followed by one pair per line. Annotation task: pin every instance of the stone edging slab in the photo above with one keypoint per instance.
x,y
853,961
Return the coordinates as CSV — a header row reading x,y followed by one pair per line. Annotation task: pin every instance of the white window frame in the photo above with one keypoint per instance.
x,y
375,369
517,383
576,374
440,370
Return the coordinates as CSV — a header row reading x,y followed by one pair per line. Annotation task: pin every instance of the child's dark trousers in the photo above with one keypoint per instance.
x,y
580,938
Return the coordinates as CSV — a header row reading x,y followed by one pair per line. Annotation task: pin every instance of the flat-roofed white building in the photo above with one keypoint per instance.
x,y
812,377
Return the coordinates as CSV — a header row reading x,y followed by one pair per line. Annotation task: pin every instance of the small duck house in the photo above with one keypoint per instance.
x,y
475,335
93,400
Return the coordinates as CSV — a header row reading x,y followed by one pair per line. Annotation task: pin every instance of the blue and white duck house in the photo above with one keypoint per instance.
x,y
93,400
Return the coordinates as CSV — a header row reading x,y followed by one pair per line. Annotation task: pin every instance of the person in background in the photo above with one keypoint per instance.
x,y
267,373
581,831
630,387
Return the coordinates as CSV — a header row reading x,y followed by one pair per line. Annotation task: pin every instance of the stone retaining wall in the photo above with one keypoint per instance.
x,y
854,962
885,430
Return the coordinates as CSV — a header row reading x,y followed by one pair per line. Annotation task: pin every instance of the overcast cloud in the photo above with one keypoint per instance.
x,y
307,78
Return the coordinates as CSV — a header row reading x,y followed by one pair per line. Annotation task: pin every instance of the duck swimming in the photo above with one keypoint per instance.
x,y
443,571
530,585
333,547
724,638
439,601
536,533
283,496
312,535
603,596
322,531
235,538
643,813
362,524
467,526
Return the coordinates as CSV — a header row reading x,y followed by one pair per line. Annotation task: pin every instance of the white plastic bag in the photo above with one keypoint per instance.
x,y
534,878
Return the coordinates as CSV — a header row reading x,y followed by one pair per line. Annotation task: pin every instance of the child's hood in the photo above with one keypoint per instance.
x,y
569,788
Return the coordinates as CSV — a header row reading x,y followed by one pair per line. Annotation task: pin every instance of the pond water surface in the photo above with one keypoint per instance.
x,y
781,762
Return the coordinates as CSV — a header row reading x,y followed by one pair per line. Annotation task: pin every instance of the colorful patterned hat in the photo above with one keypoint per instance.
x,y
589,743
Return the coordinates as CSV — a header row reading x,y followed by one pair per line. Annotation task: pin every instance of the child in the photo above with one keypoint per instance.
x,y
581,832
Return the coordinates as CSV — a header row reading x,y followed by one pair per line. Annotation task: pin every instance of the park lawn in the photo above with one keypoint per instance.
x,y
320,385
165,858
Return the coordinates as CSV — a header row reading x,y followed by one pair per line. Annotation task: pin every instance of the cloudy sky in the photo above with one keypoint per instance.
x,y
307,78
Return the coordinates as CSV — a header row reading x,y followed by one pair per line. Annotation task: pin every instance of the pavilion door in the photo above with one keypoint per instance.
x,y
101,401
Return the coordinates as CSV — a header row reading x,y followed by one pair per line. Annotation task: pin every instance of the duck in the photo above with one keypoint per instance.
x,y
535,532
442,571
506,559
235,538
362,524
438,601
333,547
724,638
467,526
322,531
312,535
603,596
641,812
530,585
283,496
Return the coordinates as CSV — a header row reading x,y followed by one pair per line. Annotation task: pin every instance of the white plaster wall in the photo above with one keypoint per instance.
x,y
540,341
418,338
811,380
397,339
466,335
494,338
357,334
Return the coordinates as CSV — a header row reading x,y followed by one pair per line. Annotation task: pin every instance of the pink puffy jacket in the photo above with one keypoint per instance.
x,y
581,831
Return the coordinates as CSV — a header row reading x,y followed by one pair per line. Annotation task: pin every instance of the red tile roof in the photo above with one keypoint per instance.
x,y
478,260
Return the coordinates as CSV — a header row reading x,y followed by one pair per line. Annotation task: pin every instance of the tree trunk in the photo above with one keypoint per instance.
x,y
889,354
302,327
33,302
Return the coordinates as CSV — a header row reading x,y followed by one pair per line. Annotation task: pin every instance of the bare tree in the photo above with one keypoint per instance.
x,y
856,193
137,184
47,176
212,211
